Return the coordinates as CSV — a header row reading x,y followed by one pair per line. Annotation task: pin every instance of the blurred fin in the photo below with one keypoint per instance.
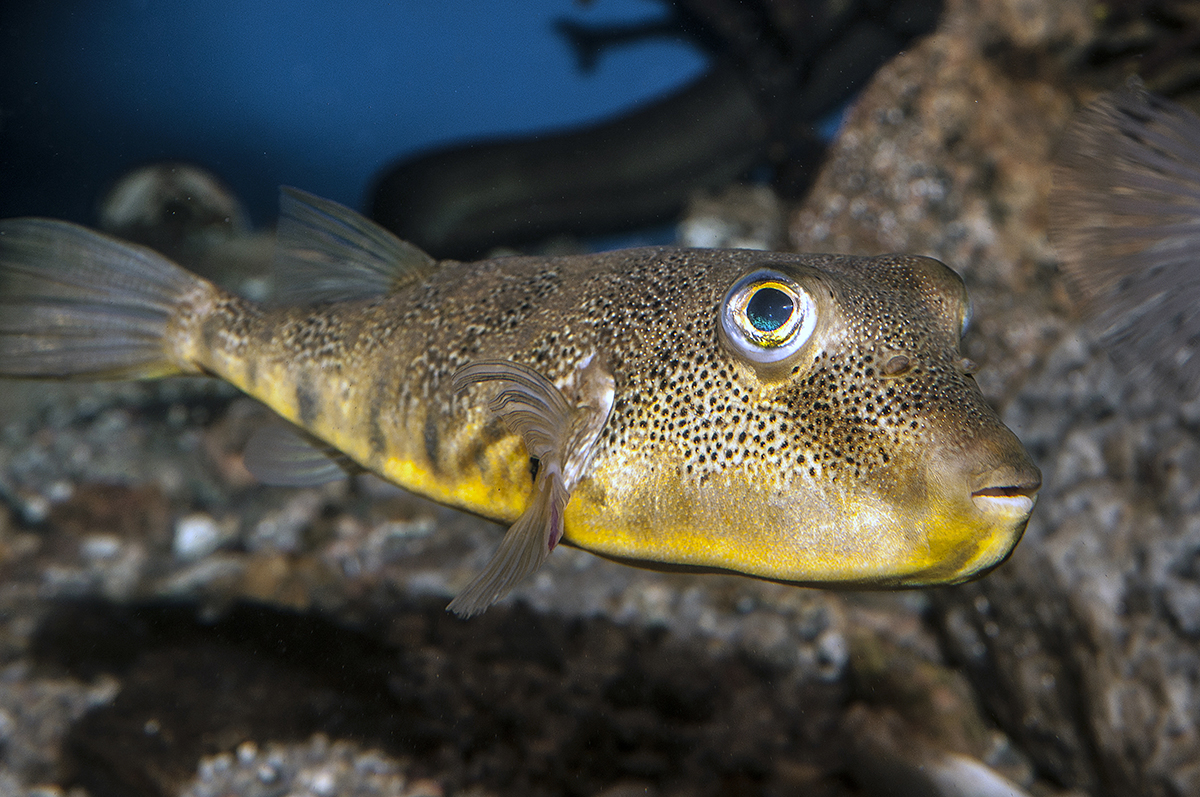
x,y
78,304
286,456
1125,218
328,253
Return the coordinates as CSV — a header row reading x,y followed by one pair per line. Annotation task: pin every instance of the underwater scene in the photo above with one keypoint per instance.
x,y
617,398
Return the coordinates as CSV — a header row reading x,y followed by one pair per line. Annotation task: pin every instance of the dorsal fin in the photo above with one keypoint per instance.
x,y
327,253
283,455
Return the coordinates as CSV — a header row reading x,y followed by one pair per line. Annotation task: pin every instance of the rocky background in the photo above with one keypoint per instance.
x,y
167,626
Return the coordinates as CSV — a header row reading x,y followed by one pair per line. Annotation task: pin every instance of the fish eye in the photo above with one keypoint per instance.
x,y
767,317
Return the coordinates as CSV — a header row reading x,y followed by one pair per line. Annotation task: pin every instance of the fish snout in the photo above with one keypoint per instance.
x,y
1007,489
989,490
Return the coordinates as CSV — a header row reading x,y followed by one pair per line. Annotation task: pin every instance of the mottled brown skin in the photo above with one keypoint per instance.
x,y
881,405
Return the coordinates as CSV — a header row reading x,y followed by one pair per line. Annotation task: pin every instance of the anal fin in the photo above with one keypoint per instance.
x,y
285,456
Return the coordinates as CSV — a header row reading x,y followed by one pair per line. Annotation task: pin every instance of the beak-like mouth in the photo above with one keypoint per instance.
x,y
1007,499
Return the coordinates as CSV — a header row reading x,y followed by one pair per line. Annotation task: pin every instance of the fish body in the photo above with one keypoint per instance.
x,y
637,169
803,418
778,71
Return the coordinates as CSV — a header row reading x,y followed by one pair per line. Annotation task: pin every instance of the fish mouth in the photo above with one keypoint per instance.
x,y
1008,499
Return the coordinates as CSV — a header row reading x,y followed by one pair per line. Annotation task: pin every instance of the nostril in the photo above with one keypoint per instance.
x,y
896,365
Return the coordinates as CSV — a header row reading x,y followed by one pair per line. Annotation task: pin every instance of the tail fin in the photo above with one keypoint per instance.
x,y
78,304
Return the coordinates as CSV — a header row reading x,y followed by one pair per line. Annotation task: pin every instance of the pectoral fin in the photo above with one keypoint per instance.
x,y
522,551
529,403
561,435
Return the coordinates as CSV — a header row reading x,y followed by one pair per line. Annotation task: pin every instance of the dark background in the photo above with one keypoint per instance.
x,y
298,92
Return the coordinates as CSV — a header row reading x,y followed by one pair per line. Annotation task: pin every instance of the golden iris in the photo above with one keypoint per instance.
x,y
766,316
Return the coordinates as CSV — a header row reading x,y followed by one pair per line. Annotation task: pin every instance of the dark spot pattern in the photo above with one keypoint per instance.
x,y
651,315
679,389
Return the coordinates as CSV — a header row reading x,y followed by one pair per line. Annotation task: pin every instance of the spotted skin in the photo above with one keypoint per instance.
x,y
856,465
858,452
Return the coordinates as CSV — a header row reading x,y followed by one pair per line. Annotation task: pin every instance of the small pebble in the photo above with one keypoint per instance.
x,y
323,783
34,509
246,753
196,536
60,491
319,767
832,654
1183,603
100,546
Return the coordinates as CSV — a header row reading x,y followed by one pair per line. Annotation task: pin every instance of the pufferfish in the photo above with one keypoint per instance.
x,y
798,418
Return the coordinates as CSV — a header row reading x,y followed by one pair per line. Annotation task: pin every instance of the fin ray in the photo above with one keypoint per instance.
x,y
529,404
286,456
562,436
1125,217
326,253
522,551
75,303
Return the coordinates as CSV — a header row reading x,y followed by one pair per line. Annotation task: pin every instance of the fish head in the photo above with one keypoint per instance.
x,y
819,425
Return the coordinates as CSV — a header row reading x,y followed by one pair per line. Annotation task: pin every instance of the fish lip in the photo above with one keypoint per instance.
x,y
1029,489
1009,498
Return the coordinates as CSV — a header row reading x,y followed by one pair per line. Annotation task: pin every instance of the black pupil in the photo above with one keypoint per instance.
x,y
769,309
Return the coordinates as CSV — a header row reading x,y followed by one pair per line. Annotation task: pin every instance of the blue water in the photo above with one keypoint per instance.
x,y
290,92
